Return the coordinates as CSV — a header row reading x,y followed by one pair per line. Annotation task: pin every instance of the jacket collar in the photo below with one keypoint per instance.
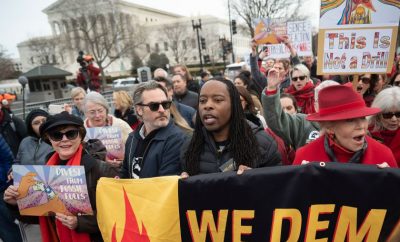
x,y
162,134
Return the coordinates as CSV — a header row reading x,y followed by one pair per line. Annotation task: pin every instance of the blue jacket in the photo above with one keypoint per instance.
x,y
187,112
6,158
161,158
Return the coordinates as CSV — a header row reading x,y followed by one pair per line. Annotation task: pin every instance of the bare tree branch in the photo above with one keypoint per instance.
x,y
174,35
249,10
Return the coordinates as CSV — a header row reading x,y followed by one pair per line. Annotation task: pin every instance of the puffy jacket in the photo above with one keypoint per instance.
x,y
161,157
32,151
6,158
13,130
211,159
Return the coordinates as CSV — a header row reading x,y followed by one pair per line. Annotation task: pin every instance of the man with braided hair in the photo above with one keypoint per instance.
x,y
223,139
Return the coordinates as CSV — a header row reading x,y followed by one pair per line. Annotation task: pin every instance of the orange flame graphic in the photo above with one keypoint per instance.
x,y
131,230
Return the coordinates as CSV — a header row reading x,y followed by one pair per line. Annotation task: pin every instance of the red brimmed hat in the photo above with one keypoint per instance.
x,y
340,102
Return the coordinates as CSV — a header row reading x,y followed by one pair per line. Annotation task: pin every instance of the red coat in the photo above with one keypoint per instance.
x,y
93,73
376,153
394,144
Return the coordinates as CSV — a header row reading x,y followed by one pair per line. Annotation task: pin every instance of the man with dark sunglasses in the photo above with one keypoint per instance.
x,y
153,149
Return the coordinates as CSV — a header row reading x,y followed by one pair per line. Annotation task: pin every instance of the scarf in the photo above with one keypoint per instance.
x,y
385,136
49,232
304,97
338,153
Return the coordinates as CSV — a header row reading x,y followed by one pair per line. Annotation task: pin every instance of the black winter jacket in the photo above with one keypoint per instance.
x,y
13,130
211,160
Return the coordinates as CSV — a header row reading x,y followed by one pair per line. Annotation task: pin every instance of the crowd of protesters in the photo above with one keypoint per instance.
x,y
280,112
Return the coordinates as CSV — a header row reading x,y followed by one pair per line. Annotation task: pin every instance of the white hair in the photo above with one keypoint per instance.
x,y
96,98
386,100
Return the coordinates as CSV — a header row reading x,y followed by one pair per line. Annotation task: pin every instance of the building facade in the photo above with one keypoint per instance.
x,y
77,25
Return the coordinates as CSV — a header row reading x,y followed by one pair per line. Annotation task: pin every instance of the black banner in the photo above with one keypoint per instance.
x,y
313,202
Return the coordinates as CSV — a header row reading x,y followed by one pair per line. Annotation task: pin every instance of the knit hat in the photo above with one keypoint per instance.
x,y
31,116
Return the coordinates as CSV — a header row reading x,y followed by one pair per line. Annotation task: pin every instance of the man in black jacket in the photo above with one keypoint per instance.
x,y
12,129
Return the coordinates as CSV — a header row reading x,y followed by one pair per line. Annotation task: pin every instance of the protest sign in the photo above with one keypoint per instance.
x,y
111,137
327,202
46,190
270,31
357,37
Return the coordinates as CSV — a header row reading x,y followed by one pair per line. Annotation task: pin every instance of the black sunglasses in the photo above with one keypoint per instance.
x,y
366,80
295,79
390,115
156,106
58,136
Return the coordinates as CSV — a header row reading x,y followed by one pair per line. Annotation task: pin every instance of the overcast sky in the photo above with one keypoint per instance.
x,y
23,19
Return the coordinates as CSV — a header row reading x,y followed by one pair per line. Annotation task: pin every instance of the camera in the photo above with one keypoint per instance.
x,y
81,60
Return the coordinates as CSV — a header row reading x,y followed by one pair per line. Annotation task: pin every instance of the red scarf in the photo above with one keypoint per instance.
x,y
304,97
49,234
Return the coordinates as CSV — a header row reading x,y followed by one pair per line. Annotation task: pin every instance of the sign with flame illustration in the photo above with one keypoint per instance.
x,y
46,190
335,202
357,36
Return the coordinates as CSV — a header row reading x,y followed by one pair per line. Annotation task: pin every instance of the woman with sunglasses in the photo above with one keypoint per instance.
x,y
342,113
32,151
65,132
385,126
366,87
302,88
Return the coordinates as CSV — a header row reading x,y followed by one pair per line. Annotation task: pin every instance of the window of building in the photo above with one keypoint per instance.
x,y
32,60
166,46
148,48
175,45
38,86
157,48
185,59
147,20
194,58
193,42
46,86
184,44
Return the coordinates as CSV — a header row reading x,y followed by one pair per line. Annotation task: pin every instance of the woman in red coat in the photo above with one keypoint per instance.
x,y
385,126
342,113
302,88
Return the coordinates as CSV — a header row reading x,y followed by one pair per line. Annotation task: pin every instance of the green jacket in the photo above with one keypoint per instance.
x,y
295,130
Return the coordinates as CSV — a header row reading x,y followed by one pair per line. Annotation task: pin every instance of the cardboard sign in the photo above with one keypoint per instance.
x,y
46,190
357,37
111,137
270,32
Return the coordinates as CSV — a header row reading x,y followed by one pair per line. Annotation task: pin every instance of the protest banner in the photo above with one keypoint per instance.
x,y
111,137
46,190
270,31
357,37
313,202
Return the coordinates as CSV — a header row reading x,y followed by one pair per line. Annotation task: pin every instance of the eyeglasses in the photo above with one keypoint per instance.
x,y
396,83
153,106
92,113
58,136
295,79
390,115
366,80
